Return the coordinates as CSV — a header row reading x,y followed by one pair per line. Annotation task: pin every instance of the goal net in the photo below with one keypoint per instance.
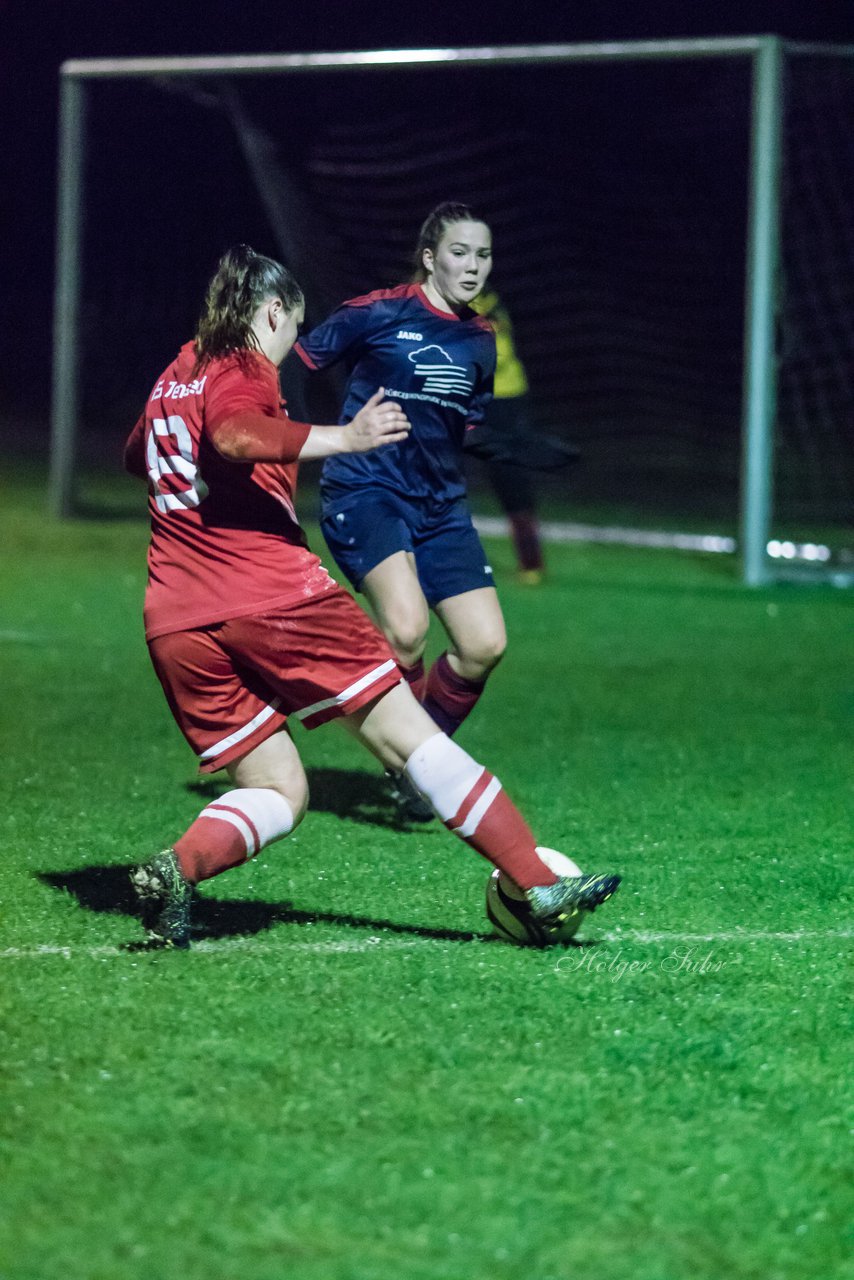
x,y
814,487
618,193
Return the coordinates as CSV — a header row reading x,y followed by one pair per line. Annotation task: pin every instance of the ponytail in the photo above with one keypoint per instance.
x,y
242,281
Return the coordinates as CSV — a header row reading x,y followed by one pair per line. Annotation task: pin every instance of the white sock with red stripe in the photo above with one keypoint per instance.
x,y
231,830
474,805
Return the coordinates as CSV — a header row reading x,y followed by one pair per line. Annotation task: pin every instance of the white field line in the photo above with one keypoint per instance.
x,y
734,935
567,531
808,553
375,943
215,945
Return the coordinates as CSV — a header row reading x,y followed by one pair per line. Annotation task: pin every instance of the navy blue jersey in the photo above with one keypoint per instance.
x,y
436,365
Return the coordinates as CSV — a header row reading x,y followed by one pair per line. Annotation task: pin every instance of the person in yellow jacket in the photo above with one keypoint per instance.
x,y
508,416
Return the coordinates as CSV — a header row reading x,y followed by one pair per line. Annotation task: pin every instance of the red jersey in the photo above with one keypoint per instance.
x,y
225,540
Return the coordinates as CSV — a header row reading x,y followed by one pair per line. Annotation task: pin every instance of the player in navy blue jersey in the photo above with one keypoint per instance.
x,y
397,521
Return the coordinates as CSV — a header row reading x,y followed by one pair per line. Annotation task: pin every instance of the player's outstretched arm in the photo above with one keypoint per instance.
x,y
249,436
378,422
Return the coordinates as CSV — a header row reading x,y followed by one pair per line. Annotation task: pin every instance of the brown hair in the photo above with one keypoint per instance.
x,y
435,226
242,281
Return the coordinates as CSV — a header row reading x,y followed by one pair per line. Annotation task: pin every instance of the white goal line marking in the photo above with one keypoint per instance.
x,y
374,943
733,935
568,531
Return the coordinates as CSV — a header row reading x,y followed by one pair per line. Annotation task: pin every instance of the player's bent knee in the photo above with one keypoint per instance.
x,y
407,640
392,727
293,789
481,658
274,765
297,796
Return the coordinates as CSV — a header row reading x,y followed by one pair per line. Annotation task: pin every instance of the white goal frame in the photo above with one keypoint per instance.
x,y
766,54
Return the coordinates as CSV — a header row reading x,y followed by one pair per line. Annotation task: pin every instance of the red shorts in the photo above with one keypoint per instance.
x,y
233,684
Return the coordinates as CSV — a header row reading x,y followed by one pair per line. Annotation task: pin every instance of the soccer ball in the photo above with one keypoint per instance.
x,y
511,916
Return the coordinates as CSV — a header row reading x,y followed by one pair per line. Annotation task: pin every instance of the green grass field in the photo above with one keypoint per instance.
x,y
347,1078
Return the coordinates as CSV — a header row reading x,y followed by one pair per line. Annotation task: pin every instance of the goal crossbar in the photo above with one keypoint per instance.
x,y
373,59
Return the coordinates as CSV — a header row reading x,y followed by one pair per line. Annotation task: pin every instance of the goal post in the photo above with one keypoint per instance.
x,y
66,304
760,364
766,56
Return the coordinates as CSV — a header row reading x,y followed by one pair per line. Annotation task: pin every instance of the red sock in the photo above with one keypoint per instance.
x,y
414,677
473,804
448,698
231,830
489,821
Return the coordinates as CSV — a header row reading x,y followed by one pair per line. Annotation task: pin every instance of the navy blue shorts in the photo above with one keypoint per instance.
x,y
363,529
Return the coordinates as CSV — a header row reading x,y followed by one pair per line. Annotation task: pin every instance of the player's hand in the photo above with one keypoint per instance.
x,y
378,422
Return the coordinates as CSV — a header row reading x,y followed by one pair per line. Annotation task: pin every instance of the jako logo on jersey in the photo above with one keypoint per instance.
x,y
412,337
441,375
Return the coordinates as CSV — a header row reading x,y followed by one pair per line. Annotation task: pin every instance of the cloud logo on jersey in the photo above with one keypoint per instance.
x,y
441,376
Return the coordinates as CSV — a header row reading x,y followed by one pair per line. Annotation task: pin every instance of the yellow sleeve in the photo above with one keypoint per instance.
x,y
510,376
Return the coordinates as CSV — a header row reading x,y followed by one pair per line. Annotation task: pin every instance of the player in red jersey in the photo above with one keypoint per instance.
x,y
245,628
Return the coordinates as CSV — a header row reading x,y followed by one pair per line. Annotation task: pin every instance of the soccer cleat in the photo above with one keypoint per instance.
x,y
551,903
547,915
165,898
408,800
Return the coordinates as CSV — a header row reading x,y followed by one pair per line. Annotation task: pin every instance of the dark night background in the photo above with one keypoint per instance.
x,y
39,37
